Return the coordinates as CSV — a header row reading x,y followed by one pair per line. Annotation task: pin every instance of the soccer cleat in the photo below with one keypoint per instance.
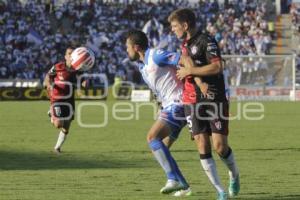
x,y
234,187
171,186
183,193
222,196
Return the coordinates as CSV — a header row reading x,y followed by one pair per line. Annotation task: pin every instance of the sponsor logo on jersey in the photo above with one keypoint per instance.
x,y
211,46
198,62
213,53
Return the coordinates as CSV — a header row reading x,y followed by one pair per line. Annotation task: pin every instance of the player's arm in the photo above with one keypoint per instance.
x,y
213,55
190,68
165,58
84,84
49,78
46,82
83,80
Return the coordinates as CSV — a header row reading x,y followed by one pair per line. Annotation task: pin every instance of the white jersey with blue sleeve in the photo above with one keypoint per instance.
x,y
159,72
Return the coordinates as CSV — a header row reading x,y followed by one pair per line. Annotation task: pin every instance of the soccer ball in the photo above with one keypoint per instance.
x,y
82,59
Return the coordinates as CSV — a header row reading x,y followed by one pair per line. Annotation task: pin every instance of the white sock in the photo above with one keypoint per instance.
x,y
231,165
60,140
210,169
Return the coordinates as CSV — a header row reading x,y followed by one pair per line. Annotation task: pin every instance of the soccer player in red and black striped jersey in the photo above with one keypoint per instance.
x,y
60,81
206,105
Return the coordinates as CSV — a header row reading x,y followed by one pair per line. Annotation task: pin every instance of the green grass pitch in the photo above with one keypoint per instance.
x,y
114,162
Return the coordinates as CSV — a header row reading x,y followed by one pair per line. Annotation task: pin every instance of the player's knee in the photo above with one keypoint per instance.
x,y
150,137
58,124
203,144
66,131
168,141
201,140
221,148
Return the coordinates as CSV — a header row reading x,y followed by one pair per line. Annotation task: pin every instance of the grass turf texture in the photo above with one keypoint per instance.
x,y
114,162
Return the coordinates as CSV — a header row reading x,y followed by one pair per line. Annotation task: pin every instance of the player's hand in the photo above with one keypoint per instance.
x,y
202,85
186,61
182,72
186,70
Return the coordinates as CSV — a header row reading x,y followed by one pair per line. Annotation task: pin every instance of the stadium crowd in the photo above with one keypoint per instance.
x,y
295,16
34,35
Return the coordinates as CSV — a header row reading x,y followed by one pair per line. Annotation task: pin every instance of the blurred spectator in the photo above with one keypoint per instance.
x,y
295,15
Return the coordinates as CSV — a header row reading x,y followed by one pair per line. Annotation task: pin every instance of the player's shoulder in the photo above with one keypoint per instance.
x,y
158,55
162,54
165,57
54,68
207,43
60,65
158,52
205,38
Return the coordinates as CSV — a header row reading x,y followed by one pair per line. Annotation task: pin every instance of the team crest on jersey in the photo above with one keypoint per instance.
x,y
60,76
218,125
194,50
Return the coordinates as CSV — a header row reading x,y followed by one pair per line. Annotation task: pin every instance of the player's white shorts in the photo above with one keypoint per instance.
x,y
175,118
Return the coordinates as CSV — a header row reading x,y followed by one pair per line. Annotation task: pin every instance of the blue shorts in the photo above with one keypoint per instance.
x,y
175,118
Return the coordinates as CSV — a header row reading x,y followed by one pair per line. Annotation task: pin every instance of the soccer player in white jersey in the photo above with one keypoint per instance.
x,y
158,69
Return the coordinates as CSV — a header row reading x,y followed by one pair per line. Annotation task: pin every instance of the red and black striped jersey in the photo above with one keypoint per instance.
x,y
203,49
63,79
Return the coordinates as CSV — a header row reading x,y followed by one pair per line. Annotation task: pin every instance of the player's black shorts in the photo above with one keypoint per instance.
x,y
62,110
207,117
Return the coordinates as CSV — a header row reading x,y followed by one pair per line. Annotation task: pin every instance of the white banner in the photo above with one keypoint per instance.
x,y
140,95
20,83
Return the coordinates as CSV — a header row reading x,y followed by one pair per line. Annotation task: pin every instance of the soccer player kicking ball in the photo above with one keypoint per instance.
x,y
60,81
158,69
206,106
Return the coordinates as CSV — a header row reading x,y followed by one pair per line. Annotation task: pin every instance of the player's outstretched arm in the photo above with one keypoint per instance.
x,y
49,78
47,83
190,68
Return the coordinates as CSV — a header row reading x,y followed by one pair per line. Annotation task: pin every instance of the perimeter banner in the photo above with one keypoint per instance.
x,y
13,93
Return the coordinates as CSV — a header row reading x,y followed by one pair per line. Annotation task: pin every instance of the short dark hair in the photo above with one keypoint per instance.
x,y
70,47
183,15
138,37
